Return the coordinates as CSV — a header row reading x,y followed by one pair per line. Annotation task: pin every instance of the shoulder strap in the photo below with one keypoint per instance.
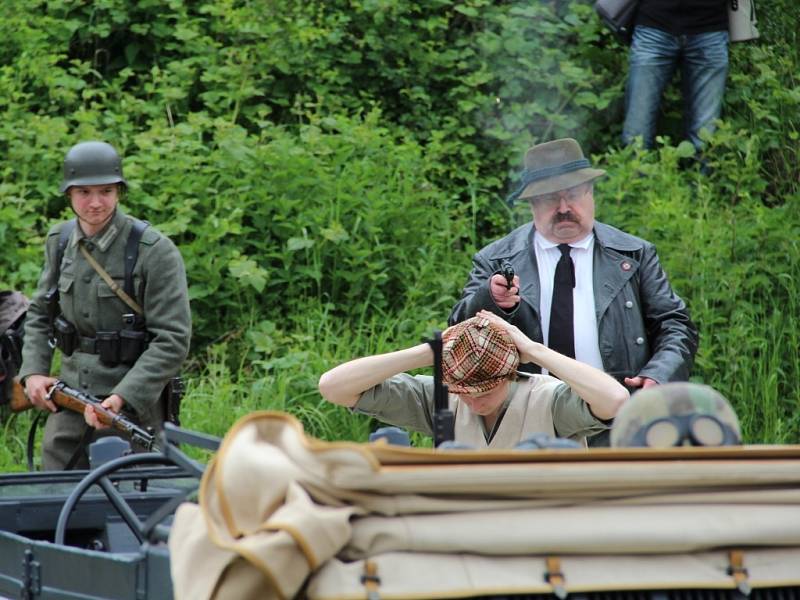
x,y
132,252
63,239
109,281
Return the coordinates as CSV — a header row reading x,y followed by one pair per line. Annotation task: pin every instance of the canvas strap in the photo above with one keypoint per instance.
x,y
555,577
738,571
109,281
370,580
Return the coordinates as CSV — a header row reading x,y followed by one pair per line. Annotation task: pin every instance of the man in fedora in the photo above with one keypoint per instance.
x,y
583,288
492,408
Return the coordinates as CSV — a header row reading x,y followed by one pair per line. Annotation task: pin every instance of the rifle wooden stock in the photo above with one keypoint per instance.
x,y
65,397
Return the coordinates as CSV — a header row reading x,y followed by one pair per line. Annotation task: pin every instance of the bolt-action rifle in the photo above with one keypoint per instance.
x,y
66,397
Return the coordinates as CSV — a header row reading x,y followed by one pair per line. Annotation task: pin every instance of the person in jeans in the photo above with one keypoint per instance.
x,y
669,34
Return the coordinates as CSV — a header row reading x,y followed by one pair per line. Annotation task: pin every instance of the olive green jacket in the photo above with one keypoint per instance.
x,y
90,304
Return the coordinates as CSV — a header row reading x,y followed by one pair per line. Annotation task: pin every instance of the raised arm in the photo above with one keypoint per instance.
x,y
604,394
345,383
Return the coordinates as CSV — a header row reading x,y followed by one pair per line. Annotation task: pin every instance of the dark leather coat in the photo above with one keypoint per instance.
x,y
643,326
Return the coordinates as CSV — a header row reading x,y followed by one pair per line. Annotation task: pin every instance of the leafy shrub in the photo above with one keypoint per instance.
x,y
327,168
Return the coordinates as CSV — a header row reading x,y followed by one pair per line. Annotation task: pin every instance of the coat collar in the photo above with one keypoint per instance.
x,y
105,237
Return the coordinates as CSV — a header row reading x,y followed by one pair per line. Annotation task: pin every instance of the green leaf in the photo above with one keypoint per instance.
x,y
685,149
247,271
299,243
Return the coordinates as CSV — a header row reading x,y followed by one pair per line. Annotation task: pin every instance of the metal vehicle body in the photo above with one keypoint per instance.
x,y
99,533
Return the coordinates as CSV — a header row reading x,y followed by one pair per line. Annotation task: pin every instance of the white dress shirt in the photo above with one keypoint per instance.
x,y
584,317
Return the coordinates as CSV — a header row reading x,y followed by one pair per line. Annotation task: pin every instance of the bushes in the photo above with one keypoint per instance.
x,y
327,168
332,214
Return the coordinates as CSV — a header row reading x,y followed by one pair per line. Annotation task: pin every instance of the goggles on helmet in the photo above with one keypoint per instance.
x,y
698,430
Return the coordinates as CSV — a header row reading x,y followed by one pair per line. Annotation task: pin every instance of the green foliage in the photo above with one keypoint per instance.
x,y
327,169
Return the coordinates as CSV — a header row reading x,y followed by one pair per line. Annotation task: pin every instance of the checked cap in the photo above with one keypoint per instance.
x,y
477,356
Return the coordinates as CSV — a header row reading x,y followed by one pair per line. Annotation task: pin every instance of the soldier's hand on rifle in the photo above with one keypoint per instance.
x,y
113,403
505,297
37,388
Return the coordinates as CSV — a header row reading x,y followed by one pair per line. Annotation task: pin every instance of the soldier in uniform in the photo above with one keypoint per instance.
x,y
676,414
122,347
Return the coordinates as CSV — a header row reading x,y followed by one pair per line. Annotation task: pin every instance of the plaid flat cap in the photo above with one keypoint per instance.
x,y
477,356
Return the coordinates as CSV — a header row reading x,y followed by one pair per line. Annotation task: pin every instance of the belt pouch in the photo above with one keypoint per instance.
x,y
132,344
108,347
66,335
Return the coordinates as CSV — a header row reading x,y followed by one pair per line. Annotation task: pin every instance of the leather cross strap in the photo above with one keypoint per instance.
x,y
109,281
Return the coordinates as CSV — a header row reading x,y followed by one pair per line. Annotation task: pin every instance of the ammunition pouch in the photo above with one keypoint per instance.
x,y
65,334
171,398
120,347
112,347
107,347
131,345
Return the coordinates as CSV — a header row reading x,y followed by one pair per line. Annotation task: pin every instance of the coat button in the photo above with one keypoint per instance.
x,y
629,304
87,279
640,340
86,314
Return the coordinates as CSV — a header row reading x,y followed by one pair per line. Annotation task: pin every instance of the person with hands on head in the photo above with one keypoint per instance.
x,y
113,298
493,408
582,287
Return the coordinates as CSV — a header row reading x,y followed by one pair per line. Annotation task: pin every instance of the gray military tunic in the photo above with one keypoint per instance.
x,y
91,305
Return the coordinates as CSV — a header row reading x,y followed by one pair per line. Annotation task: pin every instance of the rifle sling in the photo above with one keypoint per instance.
x,y
80,449
32,439
109,281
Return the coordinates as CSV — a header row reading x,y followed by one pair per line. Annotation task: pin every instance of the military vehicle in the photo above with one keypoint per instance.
x,y
277,514
100,533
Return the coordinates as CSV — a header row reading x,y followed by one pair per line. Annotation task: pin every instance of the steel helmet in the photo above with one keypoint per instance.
x,y
92,163
676,414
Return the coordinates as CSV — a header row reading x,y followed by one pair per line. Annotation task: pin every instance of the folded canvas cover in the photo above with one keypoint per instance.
x,y
282,515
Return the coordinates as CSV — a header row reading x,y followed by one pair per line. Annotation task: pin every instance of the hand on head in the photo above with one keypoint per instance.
x,y
521,340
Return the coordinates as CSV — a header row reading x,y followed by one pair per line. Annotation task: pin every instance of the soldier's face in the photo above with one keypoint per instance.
x,y
565,216
94,205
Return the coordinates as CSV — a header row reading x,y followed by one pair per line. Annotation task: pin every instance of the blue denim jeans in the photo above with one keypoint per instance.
x,y
654,57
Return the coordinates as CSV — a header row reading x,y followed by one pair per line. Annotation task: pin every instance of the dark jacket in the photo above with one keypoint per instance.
x,y
643,326
683,17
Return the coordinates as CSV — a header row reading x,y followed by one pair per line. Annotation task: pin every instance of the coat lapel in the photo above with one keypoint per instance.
x,y
611,273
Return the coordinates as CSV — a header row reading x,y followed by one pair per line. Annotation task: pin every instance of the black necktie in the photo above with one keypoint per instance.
x,y
562,336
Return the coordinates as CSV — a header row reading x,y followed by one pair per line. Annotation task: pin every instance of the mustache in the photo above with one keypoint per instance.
x,y
561,217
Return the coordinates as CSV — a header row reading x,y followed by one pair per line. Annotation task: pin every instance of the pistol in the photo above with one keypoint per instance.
x,y
507,270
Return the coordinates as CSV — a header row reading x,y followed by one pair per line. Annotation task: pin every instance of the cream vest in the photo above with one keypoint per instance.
x,y
530,411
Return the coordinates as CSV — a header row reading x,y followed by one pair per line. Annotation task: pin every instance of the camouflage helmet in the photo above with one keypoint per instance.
x,y
92,163
676,414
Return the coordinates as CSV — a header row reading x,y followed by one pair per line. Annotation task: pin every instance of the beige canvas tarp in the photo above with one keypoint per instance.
x,y
281,514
